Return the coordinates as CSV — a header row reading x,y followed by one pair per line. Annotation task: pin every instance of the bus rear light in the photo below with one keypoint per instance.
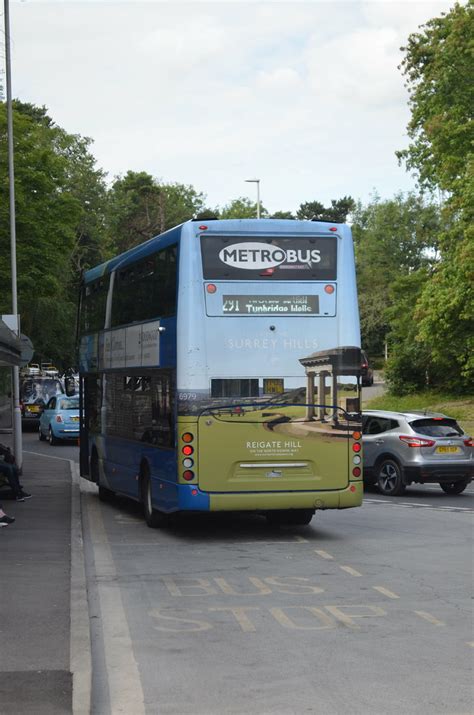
x,y
188,463
356,472
356,447
187,437
352,488
356,435
416,441
188,475
329,289
211,288
194,492
356,459
187,450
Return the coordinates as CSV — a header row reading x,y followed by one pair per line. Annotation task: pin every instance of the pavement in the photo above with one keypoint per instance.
x,y
44,627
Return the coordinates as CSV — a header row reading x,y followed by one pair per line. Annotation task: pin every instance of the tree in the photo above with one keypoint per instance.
x,y
337,212
282,214
392,238
53,171
242,208
139,207
439,66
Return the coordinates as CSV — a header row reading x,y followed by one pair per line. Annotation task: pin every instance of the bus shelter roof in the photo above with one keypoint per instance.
x,y
10,347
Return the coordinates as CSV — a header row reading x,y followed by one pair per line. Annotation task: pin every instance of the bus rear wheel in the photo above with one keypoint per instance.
x,y
290,517
154,519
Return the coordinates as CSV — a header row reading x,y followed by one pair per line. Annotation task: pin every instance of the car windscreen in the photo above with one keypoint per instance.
x,y
269,258
71,404
437,427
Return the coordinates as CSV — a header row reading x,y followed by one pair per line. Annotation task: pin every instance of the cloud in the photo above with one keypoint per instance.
x,y
304,95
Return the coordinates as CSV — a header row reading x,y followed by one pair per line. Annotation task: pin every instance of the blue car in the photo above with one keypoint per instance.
x,y
60,419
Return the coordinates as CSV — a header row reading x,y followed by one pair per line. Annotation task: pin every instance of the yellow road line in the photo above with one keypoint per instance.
x,y
428,617
385,592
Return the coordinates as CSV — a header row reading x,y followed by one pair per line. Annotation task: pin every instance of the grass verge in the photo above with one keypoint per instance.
x,y
461,408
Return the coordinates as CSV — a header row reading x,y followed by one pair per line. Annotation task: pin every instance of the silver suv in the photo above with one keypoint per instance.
x,y
405,447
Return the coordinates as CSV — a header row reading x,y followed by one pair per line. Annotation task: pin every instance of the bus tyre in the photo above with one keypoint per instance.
x,y
154,519
290,517
455,487
390,478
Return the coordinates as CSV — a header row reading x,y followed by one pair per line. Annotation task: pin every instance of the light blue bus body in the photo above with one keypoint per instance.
x,y
263,311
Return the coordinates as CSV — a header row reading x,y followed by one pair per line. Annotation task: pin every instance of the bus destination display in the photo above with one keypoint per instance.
x,y
271,304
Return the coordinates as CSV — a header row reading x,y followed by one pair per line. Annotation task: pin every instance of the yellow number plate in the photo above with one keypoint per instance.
x,y
447,450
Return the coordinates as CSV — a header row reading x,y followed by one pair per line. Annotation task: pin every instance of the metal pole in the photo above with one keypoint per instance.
x,y
256,181
17,436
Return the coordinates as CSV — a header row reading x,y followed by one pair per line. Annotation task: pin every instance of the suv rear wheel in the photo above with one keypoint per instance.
x,y
390,478
455,487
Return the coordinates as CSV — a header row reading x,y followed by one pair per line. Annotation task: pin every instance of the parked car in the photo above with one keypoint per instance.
x,y
421,447
366,372
60,419
35,392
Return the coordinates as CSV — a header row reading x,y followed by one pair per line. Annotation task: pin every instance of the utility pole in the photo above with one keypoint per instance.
x,y
17,436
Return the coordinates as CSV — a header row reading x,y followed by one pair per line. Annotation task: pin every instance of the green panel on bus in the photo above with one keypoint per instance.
x,y
273,454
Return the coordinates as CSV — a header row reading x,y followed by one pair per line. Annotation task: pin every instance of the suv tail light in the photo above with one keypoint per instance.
x,y
417,441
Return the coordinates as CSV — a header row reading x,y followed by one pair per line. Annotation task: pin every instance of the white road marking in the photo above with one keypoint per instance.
x,y
323,554
49,456
350,570
385,592
428,617
126,694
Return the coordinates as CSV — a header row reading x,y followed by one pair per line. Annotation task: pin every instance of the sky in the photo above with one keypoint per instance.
x,y
305,96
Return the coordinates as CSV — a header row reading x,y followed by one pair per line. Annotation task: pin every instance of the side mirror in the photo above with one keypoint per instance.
x,y
70,386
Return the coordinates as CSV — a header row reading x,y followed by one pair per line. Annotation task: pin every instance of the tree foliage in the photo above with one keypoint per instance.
x,y
393,238
242,208
55,228
139,207
439,67
338,211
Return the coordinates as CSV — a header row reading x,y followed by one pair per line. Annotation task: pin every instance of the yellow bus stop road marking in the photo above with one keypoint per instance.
x,y
428,617
385,592
350,570
323,554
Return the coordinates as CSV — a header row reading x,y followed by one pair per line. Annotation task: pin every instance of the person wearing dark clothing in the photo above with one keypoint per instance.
x,y
10,470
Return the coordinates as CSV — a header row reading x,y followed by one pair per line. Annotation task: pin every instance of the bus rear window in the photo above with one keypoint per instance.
x,y
266,258
234,388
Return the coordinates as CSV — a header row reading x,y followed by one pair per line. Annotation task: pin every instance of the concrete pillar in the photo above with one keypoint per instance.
x,y
322,395
310,395
334,396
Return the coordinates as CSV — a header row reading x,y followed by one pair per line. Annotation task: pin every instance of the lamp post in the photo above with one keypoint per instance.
x,y
17,436
256,181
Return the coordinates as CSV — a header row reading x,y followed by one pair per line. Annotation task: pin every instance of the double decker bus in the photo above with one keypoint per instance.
x,y
220,371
